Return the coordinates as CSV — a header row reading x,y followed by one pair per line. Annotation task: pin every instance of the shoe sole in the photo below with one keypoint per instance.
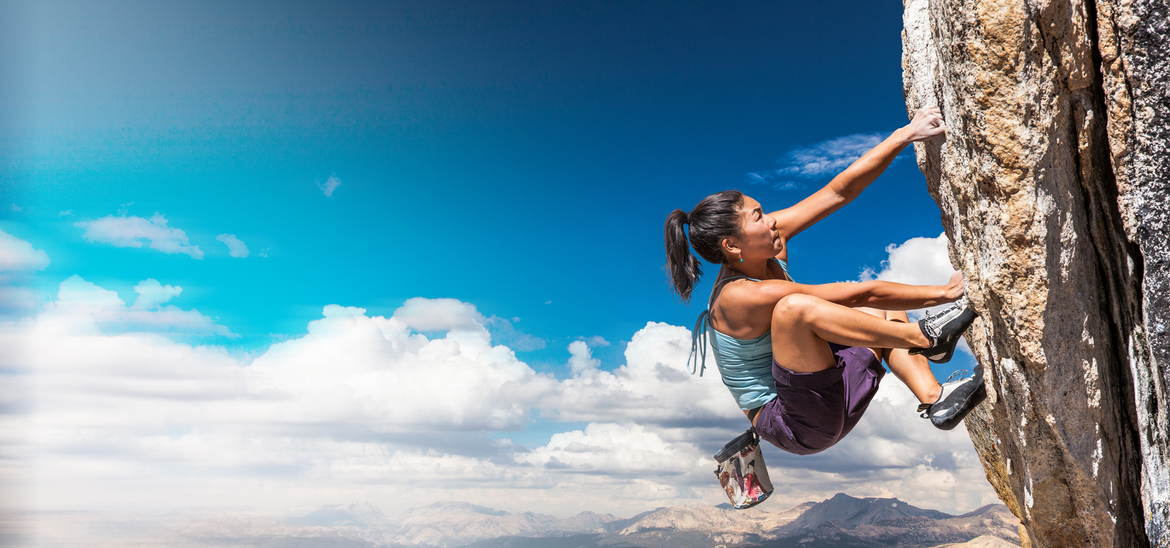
x,y
978,396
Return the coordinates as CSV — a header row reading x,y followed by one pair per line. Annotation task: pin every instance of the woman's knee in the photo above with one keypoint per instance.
x,y
795,306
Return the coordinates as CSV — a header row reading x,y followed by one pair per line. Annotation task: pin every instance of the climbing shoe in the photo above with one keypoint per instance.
x,y
944,330
958,398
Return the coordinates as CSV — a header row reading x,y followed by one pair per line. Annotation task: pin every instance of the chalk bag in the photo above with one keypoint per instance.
x,y
741,471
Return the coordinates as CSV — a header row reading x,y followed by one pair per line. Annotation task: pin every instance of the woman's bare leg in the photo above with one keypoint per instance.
x,y
913,371
802,324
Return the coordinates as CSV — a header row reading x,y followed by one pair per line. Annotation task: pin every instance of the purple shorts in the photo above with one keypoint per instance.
x,y
813,411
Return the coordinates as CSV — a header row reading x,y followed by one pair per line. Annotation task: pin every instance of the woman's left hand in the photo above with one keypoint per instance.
x,y
955,288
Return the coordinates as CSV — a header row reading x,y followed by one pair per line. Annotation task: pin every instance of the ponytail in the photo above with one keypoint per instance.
x,y
713,220
684,267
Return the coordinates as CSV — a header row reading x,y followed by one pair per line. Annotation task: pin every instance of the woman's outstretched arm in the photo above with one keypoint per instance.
x,y
760,297
744,309
888,295
848,185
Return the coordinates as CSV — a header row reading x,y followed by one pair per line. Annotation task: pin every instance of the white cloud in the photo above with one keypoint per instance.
x,y
401,411
16,208
329,186
112,408
430,315
84,307
596,341
65,213
774,179
822,160
619,450
378,375
129,231
236,247
17,255
917,261
16,301
581,358
423,314
504,332
151,293
18,261
652,387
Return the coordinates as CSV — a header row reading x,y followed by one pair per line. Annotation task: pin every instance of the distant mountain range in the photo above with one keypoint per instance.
x,y
839,522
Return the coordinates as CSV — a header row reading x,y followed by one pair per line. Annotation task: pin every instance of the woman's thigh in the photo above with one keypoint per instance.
x,y
794,344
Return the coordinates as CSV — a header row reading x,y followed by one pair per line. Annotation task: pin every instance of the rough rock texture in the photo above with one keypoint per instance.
x,y
1053,182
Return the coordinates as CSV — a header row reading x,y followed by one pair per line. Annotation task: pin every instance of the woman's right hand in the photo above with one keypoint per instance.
x,y
927,123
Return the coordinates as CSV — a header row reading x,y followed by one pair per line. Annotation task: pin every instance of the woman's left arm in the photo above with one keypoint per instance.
x,y
848,184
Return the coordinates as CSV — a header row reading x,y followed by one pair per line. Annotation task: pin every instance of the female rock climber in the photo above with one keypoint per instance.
x,y
804,361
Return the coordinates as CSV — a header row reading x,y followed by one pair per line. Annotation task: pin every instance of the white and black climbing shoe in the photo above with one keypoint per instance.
x,y
944,330
958,398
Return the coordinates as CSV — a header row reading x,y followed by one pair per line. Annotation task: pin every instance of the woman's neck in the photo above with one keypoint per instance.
x,y
751,269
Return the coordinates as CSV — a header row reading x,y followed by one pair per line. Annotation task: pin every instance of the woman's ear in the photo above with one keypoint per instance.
x,y
730,247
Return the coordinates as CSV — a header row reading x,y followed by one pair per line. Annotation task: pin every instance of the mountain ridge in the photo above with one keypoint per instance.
x,y
841,520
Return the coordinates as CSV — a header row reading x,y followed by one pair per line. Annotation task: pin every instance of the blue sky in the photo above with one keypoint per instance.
x,y
516,157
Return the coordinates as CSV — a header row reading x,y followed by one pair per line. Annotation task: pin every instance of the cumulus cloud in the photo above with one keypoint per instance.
x,y
381,375
17,255
506,333
131,231
84,307
402,411
618,450
354,387
236,247
151,294
918,261
329,186
581,358
822,160
652,387
18,261
596,341
423,314
16,301
432,315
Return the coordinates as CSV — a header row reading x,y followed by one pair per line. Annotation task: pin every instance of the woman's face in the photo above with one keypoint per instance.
x,y
758,237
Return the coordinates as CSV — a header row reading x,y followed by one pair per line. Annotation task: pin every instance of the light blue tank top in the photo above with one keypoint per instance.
x,y
744,364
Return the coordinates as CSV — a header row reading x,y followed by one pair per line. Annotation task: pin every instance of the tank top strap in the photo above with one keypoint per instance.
x,y
784,267
719,285
697,359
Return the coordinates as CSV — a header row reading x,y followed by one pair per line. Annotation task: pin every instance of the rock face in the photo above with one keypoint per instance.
x,y
1054,183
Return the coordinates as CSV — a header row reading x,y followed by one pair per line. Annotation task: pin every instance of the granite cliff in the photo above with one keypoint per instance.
x,y
1054,183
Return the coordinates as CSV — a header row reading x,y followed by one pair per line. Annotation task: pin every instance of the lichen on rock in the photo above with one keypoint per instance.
x,y
1053,182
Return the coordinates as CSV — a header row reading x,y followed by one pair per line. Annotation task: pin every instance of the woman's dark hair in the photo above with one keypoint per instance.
x,y
713,220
